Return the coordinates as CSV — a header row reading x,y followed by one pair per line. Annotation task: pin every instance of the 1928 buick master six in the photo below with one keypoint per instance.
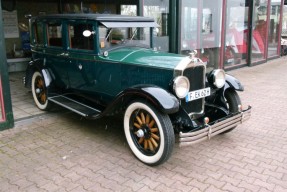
x,y
98,65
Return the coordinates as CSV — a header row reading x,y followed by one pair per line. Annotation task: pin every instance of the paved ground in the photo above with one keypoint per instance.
x,y
53,152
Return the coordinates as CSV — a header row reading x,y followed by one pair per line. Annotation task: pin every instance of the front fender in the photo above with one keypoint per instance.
x,y
232,82
160,98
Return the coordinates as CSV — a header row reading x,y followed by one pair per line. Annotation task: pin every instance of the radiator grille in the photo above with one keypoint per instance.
x,y
196,77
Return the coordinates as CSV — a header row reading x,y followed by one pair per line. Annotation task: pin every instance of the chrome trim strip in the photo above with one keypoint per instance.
x,y
186,139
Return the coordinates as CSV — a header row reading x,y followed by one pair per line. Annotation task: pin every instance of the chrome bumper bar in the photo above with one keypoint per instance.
x,y
209,131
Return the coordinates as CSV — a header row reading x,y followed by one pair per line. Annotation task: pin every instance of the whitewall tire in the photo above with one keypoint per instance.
x,y
149,133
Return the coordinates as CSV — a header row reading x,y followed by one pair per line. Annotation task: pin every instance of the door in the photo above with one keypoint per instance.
x,y
55,56
81,55
259,31
236,32
90,77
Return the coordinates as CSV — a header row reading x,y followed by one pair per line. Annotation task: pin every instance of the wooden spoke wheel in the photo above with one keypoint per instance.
x,y
149,133
39,91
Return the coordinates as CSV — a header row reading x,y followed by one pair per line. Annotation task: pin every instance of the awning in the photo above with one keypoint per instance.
x,y
129,24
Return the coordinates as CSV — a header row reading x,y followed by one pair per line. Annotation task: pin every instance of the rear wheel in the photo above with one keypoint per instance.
x,y
149,133
232,100
39,91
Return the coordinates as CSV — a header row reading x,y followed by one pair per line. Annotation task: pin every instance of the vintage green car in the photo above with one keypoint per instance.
x,y
97,65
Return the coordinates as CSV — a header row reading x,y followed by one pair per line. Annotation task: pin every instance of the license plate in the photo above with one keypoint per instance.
x,y
201,93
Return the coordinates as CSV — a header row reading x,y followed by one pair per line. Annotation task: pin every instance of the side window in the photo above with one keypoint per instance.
x,y
54,34
78,40
38,33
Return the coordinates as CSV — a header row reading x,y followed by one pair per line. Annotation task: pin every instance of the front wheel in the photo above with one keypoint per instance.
x,y
232,100
149,133
39,91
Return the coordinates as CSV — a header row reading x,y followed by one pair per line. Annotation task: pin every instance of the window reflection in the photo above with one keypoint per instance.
x,y
159,10
201,29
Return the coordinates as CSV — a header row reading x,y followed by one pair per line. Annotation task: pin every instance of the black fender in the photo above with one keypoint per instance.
x,y
158,97
34,65
232,82
38,65
218,99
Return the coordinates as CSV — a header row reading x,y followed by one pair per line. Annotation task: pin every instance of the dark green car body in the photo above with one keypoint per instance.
x,y
97,65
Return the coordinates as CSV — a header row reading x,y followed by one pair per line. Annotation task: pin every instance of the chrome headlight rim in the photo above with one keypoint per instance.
x,y
219,78
178,88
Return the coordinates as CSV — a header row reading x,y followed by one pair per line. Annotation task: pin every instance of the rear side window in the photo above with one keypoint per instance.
x,y
77,39
54,34
38,33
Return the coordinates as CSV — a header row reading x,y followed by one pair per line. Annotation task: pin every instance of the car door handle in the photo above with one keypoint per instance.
x,y
63,54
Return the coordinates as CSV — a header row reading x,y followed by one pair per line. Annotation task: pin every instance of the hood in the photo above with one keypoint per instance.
x,y
143,56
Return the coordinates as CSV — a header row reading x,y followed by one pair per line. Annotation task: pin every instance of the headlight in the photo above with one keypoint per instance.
x,y
181,86
218,78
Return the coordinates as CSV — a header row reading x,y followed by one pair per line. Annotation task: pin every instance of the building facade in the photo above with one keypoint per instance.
x,y
227,34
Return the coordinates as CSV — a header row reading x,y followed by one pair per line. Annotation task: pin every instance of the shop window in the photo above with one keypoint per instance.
x,y
201,29
129,10
159,10
54,34
78,40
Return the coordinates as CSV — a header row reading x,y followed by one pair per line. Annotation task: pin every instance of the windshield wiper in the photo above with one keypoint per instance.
x,y
134,33
108,34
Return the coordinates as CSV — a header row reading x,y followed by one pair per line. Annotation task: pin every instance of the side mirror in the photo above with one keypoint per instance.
x,y
88,33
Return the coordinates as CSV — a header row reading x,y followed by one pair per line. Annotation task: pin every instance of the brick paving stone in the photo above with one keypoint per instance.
x,y
163,187
249,186
230,187
201,186
269,186
216,183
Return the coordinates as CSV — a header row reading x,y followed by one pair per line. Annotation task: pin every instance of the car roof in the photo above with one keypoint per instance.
x,y
97,17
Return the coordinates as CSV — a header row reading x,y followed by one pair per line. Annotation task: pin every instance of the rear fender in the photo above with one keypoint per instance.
x,y
34,65
37,65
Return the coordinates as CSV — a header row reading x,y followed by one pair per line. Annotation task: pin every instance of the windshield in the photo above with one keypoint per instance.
x,y
125,36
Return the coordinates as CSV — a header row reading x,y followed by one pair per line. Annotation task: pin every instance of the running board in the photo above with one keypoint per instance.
x,y
75,106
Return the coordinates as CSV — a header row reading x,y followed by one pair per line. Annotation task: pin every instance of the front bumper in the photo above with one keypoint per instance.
x,y
214,129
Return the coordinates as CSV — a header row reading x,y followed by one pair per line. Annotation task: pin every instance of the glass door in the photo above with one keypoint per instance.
x,y
237,32
259,31
273,34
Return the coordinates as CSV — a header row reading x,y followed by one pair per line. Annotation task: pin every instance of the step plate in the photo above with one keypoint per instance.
x,y
74,106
